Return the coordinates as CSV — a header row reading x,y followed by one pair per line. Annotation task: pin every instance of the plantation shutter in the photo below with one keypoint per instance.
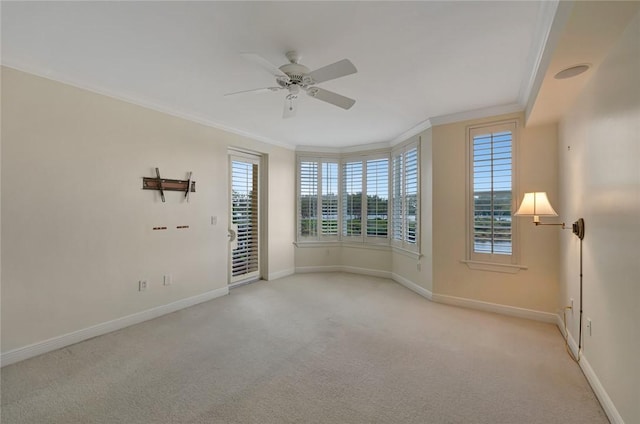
x,y
405,196
329,198
492,192
308,199
377,197
411,195
245,217
396,196
352,199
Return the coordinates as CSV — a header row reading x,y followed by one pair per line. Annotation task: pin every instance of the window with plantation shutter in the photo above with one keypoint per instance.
x,y
405,194
377,197
329,199
352,199
492,182
347,198
411,195
397,196
308,199
318,199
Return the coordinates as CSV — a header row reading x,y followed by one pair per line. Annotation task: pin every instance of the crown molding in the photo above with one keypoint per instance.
x,y
485,112
554,16
411,132
349,149
536,60
145,103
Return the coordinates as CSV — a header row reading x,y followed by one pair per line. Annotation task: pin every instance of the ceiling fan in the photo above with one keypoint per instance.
x,y
295,78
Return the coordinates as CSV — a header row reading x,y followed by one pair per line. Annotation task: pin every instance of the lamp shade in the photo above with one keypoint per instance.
x,y
535,204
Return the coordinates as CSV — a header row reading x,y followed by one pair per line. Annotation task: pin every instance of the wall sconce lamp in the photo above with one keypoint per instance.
x,y
537,204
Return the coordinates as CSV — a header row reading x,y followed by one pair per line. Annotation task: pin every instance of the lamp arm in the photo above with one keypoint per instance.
x,y
577,227
552,223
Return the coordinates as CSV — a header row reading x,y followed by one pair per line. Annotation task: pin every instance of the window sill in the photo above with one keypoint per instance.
x,y
317,243
492,266
350,244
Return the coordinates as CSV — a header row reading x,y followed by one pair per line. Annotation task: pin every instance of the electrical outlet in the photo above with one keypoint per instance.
x,y
589,325
142,285
214,220
166,280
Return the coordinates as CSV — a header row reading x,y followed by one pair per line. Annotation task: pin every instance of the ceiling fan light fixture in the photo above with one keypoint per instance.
x,y
295,77
572,71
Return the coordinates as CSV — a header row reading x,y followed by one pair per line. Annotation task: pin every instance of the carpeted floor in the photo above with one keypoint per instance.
x,y
311,348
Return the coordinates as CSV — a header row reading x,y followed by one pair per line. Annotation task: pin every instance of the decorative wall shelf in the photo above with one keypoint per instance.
x,y
165,184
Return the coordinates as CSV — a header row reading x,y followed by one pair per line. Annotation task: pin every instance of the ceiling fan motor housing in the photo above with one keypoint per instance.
x,y
296,73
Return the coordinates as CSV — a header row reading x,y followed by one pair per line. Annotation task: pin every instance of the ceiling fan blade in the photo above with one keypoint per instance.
x,y
333,71
331,97
290,107
255,90
259,60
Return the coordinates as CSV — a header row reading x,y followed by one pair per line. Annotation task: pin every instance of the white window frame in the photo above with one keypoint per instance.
x,y
401,151
363,239
319,235
486,261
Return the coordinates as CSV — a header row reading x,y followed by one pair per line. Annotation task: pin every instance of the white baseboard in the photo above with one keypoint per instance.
x,y
412,286
281,274
323,268
496,308
26,352
366,271
343,268
602,395
573,346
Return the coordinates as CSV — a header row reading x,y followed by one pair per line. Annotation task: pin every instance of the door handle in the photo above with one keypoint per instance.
x,y
233,236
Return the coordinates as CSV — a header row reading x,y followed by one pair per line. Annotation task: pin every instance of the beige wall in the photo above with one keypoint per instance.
x,y
443,226
77,228
535,288
600,181
346,258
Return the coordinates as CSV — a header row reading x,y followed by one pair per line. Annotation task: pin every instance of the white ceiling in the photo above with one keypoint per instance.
x,y
415,60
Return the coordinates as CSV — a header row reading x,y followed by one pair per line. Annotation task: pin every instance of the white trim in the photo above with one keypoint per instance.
x,y
366,149
320,268
147,104
358,148
412,286
366,271
411,132
597,387
537,61
558,12
64,340
316,243
602,395
344,268
281,274
485,112
493,266
496,308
